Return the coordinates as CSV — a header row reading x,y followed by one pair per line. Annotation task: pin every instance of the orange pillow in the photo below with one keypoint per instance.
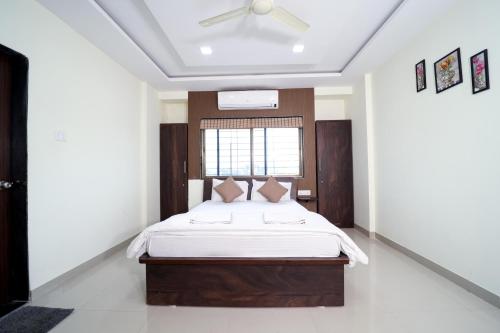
x,y
272,190
229,190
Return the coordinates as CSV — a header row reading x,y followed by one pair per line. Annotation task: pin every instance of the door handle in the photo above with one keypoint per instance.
x,y
5,185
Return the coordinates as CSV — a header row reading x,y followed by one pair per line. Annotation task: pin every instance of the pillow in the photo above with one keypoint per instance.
x,y
228,190
272,190
242,184
256,196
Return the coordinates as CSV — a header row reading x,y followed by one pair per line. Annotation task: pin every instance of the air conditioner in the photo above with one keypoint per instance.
x,y
245,100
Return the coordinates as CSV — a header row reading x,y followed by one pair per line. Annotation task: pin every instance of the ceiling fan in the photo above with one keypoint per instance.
x,y
260,7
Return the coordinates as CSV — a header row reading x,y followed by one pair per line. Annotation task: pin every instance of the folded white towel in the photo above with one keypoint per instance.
x,y
208,218
271,217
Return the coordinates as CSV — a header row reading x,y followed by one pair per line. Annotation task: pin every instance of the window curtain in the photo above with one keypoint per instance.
x,y
236,123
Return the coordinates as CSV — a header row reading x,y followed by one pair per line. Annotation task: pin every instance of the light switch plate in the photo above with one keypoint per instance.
x,y
304,192
60,136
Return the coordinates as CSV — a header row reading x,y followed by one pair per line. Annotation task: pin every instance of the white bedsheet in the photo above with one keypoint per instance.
x,y
246,236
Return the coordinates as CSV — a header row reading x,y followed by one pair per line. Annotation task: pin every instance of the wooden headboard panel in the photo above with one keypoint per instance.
x,y
207,185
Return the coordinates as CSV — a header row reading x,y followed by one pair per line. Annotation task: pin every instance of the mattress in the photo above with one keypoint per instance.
x,y
246,236
244,244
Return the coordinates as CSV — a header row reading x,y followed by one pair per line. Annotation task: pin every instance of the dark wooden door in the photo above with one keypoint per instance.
x,y
5,95
173,169
14,287
335,182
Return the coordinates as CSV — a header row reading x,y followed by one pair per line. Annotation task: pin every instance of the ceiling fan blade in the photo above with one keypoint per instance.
x,y
284,16
226,16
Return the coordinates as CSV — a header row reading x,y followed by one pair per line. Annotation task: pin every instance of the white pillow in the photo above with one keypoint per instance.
x,y
242,184
256,196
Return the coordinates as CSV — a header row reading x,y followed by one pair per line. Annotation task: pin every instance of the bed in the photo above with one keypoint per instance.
x,y
247,262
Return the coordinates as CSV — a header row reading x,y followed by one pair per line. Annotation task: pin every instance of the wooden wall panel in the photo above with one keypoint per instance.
x,y
292,102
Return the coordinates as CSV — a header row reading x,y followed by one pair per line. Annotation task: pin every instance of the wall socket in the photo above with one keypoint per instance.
x,y
304,193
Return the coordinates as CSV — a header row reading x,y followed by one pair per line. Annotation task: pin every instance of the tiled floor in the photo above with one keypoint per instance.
x,y
392,294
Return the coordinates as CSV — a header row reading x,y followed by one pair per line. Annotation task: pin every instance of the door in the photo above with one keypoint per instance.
x,y
335,182
5,95
173,169
14,287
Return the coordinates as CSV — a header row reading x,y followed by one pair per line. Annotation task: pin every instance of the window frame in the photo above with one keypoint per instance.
x,y
203,154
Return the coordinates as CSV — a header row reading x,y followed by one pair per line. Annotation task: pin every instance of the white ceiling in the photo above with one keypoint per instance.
x,y
159,41
258,44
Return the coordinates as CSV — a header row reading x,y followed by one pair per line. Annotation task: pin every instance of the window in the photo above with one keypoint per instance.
x,y
252,151
227,152
276,151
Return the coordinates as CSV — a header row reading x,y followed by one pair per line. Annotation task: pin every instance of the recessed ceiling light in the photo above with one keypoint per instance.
x,y
206,50
298,48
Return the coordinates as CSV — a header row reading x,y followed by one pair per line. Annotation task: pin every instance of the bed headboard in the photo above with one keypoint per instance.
x,y
207,185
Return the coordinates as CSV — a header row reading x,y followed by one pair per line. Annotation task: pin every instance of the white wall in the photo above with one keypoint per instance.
x,y
356,111
150,135
174,111
195,192
329,108
84,195
438,155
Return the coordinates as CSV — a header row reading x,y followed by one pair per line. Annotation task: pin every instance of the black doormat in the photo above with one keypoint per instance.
x,y
33,319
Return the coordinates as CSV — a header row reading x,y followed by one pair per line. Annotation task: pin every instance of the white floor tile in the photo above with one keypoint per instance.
x,y
464,321
84,321
392,294
167,319
124,294
271,320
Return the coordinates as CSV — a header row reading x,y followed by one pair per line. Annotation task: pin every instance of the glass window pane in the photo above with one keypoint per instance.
x,y
258,152
210,152
234,152
283,151
276,151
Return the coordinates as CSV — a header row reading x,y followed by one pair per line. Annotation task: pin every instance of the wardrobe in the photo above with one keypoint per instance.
x,y
173,170
334,172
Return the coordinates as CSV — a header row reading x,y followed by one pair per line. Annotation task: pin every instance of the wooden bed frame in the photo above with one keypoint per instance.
x,y
245,282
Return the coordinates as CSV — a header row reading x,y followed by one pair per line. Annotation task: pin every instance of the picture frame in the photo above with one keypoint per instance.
x,y
420,76
448,71
479,72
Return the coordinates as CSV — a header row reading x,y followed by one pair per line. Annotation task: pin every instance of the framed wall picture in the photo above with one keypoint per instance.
x,y
480,72
420,76
448,71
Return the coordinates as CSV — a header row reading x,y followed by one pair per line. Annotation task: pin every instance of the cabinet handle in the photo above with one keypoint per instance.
x,y
185,169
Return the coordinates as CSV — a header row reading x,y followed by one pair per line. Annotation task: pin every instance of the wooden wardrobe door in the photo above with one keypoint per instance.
x,y
173,169
335,180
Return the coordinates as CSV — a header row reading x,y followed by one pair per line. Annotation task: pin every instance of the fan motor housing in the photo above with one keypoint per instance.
x,y
262,7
